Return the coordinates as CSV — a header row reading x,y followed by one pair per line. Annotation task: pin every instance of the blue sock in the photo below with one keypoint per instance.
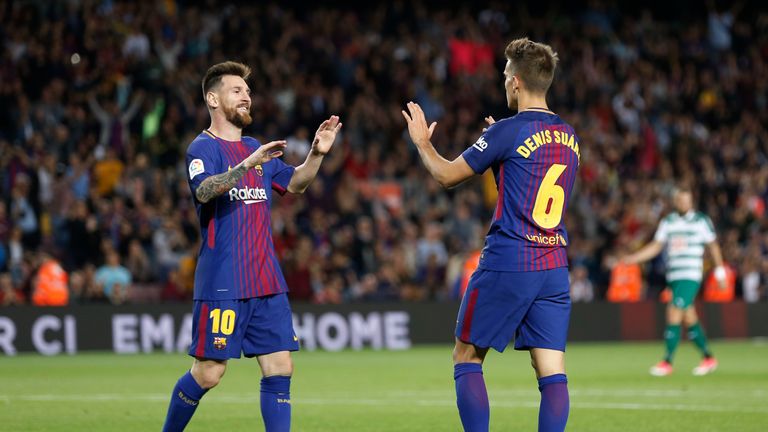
x,y
184,400
276,403
471,397
555,404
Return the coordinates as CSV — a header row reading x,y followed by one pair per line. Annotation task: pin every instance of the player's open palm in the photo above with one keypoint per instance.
x,y
265,153
326,135
417,124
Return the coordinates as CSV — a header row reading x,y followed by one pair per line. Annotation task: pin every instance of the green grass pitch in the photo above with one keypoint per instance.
x,y
611,390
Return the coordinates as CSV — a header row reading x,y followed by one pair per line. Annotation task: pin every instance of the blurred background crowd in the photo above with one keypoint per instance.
x,y
99,100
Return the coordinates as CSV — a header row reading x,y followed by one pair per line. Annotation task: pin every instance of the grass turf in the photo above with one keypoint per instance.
x,y
610,387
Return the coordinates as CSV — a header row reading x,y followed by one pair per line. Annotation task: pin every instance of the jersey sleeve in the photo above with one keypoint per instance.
x,y
708,230
201,164
281,176
488,150
662,232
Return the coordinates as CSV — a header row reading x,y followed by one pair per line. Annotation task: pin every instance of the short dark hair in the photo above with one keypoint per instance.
x,y
213,76
533,62
683,187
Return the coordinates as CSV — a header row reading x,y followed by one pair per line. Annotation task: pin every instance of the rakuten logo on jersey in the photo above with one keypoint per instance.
x,y
480,145
248,195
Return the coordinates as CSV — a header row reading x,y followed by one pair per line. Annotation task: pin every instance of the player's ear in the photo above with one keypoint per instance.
x,y
212,99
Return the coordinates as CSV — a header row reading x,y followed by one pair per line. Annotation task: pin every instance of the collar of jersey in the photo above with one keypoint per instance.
x,y
537,110
209,133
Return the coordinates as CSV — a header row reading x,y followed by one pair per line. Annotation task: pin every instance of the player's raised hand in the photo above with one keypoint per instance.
x,y
326,135
265,153
417,124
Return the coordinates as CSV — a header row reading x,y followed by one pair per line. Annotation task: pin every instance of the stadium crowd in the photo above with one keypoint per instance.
x,y
99,99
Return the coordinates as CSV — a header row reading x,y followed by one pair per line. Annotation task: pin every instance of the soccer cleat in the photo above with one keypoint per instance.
x,y
708,365
662,368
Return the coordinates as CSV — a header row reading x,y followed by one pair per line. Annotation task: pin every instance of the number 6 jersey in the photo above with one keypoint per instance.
x,y
534,156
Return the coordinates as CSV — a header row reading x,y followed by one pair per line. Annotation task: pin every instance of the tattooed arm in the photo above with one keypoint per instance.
x,y
216,185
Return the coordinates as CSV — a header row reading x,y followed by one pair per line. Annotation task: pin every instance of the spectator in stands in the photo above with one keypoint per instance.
x,y
16,256
174,289
750,282
582,289
169,244
50,285
114,134
23,213
300,267
9,296
5,224
77,287
430,250
138,263
93,292
113,279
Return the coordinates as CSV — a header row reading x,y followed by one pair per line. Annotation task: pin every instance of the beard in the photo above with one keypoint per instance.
x,y
237,118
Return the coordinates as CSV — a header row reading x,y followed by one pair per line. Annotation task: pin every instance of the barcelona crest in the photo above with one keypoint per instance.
x,y
219,343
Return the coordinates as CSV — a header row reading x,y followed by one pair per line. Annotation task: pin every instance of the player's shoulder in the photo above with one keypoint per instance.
x,y
251,142
670,217
560,123
701,217
504,128
504,124
201,143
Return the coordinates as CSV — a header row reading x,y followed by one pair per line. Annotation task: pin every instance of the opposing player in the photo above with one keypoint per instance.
x,y
240,302
520,289
684,233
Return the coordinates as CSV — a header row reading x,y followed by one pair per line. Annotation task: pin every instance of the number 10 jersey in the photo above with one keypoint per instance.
x,y
534,157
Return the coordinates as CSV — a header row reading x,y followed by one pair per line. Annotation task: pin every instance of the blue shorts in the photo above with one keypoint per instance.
x,y
261,325
533,307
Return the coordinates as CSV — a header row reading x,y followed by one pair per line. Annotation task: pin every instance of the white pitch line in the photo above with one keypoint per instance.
x,y
330,400
718,394
85,397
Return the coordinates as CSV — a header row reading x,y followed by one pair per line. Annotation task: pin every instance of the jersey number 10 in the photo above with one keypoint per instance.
x,y
550,199
222,321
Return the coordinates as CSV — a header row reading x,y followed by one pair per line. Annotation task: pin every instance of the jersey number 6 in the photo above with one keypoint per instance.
x,y
550,199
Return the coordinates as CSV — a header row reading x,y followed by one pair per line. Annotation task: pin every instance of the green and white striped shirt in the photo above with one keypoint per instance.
x,y
684,237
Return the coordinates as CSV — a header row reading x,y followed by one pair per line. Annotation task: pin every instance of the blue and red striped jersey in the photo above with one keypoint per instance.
x,y
534,157
237,257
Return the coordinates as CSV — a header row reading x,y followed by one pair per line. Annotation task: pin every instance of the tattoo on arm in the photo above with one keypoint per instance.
x,y
216,185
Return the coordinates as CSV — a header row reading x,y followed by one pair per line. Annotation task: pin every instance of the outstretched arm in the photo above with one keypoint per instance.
x,y
646,253
447,173
216,185
321,145
133,108
717,255
717,258
97,110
